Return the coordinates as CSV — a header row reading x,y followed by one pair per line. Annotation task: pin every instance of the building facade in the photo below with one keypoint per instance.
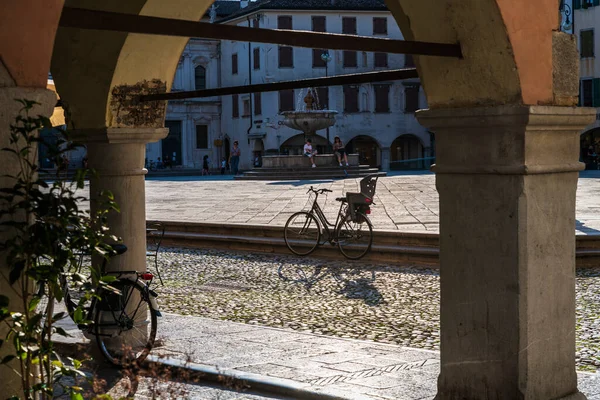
x,y
374,120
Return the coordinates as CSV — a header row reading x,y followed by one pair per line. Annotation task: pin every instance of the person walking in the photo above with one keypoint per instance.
x,y
340,151
234,157
309,152
223,165
205,165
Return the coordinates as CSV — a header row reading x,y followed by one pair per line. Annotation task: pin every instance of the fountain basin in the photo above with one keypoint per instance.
x,y
309,121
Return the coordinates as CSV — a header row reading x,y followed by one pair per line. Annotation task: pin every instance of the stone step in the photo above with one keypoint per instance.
x,y
388,246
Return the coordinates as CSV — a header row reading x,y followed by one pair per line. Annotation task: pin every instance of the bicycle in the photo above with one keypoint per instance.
x,y
122,316
352,230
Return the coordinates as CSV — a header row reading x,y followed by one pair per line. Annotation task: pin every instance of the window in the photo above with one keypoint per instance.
x,y
234,64
286,100
202,136
411,98
257,104
246,107
586,39
318,25
349,25
256,23
235,107
409,61
350,59
323,98
351,99
382,98
381,60
256,58
286,57
590,92
380,26
349,28
284,22
200,77
577,4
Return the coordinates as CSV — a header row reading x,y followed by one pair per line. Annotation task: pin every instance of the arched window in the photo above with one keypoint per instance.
x,y
200,77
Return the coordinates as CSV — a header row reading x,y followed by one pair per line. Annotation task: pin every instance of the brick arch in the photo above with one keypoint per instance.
x,y
507,47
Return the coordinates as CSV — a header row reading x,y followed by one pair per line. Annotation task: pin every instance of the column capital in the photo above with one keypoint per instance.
x,y
512,139
119,135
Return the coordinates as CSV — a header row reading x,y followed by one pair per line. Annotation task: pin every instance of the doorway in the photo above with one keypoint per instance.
x,y
171,145
367,149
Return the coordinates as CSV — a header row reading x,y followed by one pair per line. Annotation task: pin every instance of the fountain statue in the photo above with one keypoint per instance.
x,y
309,118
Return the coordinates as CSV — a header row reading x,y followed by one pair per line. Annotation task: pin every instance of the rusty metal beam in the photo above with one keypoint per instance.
x,y
109,21
351,79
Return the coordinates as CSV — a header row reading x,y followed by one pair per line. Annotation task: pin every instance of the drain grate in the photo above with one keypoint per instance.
x,y
367,373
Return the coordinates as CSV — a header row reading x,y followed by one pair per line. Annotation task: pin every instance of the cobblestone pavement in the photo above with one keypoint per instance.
x,y
403,202
382,303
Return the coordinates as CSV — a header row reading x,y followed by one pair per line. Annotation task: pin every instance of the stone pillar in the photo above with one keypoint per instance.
x,y
385,158
189,81
10,383
507,178
117,155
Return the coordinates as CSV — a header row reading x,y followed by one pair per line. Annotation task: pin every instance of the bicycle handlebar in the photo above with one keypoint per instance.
x,y
320,191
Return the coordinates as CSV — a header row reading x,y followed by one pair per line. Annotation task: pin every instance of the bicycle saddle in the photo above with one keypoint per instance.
x,y
341,199
119,248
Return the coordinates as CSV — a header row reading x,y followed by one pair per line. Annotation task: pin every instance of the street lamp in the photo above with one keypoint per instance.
x,y
326,57
565,9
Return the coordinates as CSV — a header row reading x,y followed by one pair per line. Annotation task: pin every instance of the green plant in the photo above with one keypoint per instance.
x,y
43,228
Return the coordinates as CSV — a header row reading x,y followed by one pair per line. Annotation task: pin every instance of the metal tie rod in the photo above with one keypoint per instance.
x,y
351,79
110,21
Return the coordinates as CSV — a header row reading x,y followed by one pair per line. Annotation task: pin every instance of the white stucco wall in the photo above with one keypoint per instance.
x,y
217,113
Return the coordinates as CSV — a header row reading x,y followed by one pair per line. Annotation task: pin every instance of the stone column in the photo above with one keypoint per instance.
x,y
10,383
117,155
507,178
188,72
385,158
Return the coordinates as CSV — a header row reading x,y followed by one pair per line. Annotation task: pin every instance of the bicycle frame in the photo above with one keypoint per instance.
x,y
318,212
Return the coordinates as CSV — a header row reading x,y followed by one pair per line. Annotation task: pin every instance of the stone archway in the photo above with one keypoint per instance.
x,y
407,153
367,148
507,286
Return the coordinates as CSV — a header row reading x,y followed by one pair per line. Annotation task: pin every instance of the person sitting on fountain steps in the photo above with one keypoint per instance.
x,y
309,152
339,150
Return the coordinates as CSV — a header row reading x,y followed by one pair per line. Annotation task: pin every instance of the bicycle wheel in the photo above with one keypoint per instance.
x,y
76,285
125,323
355,237
302,233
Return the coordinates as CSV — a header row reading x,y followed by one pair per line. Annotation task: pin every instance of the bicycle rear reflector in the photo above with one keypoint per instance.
x,y
147,276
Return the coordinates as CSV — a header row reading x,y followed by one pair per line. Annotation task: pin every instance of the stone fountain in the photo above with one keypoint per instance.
x,y
310,119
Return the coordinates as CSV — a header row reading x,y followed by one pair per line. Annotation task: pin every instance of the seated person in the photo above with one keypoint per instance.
x,y
309,152
340,151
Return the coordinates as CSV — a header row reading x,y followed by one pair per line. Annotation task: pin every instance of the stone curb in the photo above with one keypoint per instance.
x,y
227,379
255,383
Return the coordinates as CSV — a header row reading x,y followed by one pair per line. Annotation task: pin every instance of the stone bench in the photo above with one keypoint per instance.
x,y
321,160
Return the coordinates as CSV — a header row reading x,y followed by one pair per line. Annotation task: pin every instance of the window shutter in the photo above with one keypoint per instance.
x,y
235,109
596,92
349,25
284,22
577,4
317,60
382,98
234,64
257,104
351,99
286,100
256,58
286,57
350,59
319,24
381,60
323,97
